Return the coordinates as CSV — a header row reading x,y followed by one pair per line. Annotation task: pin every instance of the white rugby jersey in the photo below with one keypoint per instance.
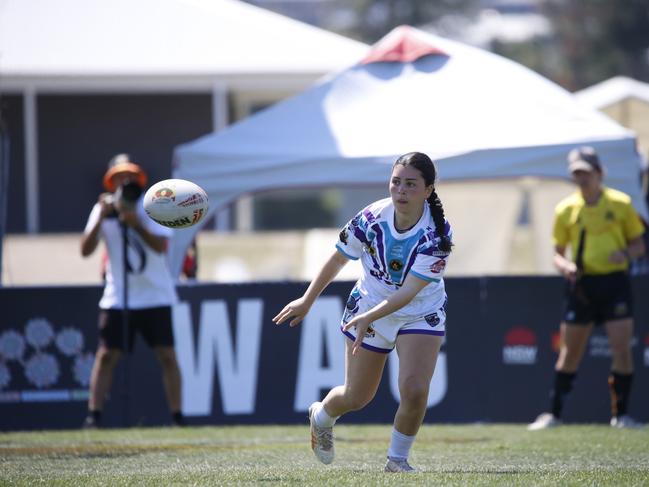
x,y
388,256
150,283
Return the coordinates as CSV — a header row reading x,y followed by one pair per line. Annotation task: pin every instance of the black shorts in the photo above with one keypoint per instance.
x,y
154,324
599,298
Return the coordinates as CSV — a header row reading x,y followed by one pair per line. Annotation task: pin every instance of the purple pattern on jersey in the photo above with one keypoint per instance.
x,y
383,268
429,244
369,216
410,263
360,235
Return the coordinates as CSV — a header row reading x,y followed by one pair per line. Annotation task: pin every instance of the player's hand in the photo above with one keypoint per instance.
x,y
570,272
295,309
362,324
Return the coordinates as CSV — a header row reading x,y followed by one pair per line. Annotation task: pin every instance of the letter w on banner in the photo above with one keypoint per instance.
x,y
237,369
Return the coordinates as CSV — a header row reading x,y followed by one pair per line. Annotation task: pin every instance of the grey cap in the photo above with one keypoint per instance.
x,y
584,159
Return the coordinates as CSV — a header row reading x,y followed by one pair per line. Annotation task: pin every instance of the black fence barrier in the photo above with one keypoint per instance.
x,y
496,364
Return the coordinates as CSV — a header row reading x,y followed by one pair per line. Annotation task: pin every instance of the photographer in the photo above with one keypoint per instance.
x,y
139,290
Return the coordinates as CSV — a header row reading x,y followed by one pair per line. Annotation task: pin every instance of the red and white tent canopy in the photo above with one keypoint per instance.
x,y
479,115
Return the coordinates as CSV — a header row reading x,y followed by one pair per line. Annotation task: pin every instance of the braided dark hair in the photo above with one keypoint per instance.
x,y
426,167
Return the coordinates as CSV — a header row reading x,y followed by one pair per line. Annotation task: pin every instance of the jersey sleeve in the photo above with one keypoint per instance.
x,y
560,231
352,237
430,261
633,227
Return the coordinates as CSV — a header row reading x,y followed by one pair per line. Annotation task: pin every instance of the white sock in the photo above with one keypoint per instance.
x,y
322,419
400,445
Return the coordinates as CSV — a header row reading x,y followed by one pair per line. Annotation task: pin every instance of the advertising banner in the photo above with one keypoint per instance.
x,y
238,367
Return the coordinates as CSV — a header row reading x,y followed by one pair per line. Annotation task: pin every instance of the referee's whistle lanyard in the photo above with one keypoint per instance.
x,y
577,286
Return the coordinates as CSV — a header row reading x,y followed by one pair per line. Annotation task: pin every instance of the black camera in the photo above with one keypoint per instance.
x,y
127,195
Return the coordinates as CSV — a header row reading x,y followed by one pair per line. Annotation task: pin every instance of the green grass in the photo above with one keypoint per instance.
x,y
465,455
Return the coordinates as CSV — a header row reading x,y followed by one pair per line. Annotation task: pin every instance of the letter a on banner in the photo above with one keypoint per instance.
x,y
237,369
320,334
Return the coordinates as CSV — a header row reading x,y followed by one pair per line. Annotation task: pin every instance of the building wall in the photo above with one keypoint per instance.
x,y
78,134
633,114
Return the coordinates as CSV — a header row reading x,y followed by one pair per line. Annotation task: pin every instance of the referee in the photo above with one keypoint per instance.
x,y
604,234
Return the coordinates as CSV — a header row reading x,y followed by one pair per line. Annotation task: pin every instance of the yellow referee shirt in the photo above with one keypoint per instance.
x,y
609,225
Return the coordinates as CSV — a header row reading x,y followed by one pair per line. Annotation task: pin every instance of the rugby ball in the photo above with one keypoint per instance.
x,y
176,203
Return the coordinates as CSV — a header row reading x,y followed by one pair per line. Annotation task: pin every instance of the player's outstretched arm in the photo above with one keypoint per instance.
x,y
298,308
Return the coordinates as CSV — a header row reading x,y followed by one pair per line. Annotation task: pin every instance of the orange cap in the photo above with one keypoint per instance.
x,y
124,167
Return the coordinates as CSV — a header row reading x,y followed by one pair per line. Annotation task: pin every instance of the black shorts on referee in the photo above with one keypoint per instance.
x,y
153,324
598,298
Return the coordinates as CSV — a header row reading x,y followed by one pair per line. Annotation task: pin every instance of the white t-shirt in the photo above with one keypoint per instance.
x,y
149,279
388,256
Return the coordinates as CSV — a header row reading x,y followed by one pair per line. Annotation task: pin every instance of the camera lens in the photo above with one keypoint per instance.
x,y
128,194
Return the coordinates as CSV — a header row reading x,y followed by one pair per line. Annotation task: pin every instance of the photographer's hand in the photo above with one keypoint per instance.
x,y
106,202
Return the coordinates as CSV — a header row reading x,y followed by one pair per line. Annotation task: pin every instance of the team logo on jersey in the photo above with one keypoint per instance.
x,y
610,216
432,319
352,303
370,333
370,249
343,236
438,266
396,265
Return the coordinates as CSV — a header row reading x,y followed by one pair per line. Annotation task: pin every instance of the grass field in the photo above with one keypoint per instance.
x,y
466,455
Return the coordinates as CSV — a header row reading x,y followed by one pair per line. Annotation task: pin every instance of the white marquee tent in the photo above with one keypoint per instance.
x,y
480,116
68,44
144,47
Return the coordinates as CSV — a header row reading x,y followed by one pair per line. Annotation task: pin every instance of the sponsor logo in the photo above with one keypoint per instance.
x,y
164,193
43,355
195,199
198,214
438,266
520,347
598,346
396,265
343,236
439,253
178,222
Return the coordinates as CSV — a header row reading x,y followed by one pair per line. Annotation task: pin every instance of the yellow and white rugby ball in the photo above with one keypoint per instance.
x,y
176,203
